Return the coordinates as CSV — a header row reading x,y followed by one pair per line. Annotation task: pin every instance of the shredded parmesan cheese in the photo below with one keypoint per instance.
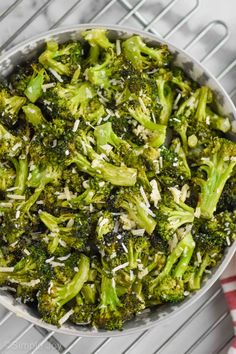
x,y
155,194
138,232
121,266
76,125
65,317
7,269
16,196
57,76
118,47
144,197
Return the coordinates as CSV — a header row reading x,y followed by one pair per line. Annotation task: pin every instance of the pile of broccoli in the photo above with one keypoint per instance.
x,y
117,181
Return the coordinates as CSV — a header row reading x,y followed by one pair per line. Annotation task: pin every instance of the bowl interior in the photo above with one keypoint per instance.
x,y
30,48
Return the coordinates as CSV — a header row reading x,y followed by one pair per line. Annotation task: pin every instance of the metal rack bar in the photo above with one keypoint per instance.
x,y
176,333
25,25
52,340
203,32
102,10
223,346
160,15
72,345
209,330
135,342
182,21
131,12
102,346
66,14
10,9
190,319
224,72
17,338
5,318
138,16
44,340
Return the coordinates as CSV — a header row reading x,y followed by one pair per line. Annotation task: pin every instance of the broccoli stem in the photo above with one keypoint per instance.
x,y
5,135
34,88
52,222
21,167
183,215
195,280
32,200
34,115
70,290
201,108
118,176
108,294
105,135
183,250
218,122
89,293
166,97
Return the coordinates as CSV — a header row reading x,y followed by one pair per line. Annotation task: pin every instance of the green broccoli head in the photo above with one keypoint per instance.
x,y
10,106
218,162
62,59
217,232
70,101
55,295
131,200
144,57
11,145
7,176
67,230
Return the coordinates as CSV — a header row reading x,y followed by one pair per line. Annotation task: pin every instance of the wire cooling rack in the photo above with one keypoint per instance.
x,y
206,327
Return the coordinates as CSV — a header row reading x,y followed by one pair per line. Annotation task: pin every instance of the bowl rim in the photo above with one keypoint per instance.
x,y
72,330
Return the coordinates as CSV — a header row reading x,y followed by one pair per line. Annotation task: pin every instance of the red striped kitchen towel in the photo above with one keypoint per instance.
x,y
228,281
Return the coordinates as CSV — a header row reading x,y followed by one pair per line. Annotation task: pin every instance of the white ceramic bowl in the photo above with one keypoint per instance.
x,y
197,72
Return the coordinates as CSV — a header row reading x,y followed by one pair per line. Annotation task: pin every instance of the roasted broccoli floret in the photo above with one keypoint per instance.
x,y
196,123
10,145
100,74
227,199
62,59
172,214
72,237
34,87
165,95
70,101
28,271
152,133
98,40
172,166
218,161
133,203
217,232
108,314
55,295
116,175
10,106
41,176
34,115
7,177
168,286
143,57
